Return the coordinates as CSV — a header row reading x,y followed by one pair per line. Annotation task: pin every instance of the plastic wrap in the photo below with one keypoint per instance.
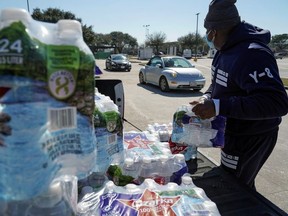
x,y
46,104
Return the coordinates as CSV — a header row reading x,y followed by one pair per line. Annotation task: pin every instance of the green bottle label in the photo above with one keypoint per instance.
x,y
63,65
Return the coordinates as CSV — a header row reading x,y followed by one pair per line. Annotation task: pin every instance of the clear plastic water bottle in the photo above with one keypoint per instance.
x,y
179,167
50,203
164,170
191,152
130,168
187,182
146,169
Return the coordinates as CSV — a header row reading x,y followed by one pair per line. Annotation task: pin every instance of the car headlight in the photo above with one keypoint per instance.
x,y
174,74
113,63
201,76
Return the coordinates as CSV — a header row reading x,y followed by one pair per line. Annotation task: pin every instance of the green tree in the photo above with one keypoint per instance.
x,y
190,41
156,40
53,15
119,40
279,42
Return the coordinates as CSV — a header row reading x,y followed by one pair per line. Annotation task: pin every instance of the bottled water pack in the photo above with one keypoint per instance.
x,y
109,132
161,131
190,130
46,104
149,198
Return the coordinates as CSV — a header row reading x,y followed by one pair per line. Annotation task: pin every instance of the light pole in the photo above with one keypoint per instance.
x,y
28,6
195,59
146,32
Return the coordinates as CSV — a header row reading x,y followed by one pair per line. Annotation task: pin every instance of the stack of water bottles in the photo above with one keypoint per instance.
x,y
148,198
109,132
190,132
161,131
162,169
46,113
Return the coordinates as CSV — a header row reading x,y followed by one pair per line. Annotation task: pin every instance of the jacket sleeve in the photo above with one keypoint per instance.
x,y
263,95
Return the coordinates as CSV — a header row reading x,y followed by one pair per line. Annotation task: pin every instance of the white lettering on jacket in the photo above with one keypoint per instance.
x,y
264,73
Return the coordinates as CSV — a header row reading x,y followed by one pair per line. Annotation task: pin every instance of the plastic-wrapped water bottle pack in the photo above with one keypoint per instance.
x,y
190,130
161,131
149,198
109,133
46,104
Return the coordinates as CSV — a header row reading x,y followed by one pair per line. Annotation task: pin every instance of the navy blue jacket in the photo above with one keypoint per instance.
x,y
245,78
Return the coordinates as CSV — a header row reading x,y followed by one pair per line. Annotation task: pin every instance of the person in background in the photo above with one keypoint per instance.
x,y
245,88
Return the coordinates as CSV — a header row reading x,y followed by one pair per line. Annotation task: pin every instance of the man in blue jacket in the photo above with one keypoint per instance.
x,y
246,89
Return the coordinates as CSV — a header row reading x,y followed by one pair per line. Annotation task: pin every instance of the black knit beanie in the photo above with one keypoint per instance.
x,y
222,14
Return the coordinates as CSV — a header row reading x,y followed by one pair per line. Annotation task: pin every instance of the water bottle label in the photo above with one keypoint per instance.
x,y
137,143
62,83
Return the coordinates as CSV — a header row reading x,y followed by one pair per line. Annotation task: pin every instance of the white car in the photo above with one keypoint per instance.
x,y
172,72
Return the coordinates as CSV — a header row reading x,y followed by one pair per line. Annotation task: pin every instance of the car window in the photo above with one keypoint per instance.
x,y
119,57
155,61
177,62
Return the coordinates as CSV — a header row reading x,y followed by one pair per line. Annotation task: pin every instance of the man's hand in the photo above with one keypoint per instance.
x,y
205,109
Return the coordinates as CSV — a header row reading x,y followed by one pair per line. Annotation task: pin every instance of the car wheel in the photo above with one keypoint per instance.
x,y
163,84
141,78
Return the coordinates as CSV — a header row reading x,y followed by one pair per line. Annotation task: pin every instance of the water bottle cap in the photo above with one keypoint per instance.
x,y
149,183
187,180
128,161
15,14
166,151
110,185
164,158
69,29
146,160
179,157
172,185
131,186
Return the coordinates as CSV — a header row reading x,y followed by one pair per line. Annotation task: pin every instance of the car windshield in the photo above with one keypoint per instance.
x,y
177,62
119,57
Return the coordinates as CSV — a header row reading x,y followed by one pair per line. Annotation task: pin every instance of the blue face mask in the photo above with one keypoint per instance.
x,y
210,43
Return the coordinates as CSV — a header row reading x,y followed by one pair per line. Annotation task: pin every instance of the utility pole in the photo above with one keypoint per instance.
x,y
195,59
146,32
28,6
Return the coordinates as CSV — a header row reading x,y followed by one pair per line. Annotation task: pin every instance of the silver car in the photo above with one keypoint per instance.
x,y
172,72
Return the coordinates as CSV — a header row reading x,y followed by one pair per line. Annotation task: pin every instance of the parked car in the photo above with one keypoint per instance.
x,y
172,72
279,55
118,62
